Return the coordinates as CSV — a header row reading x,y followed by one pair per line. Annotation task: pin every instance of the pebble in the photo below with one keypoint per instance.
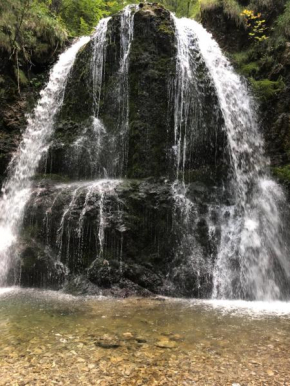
x,y
166,344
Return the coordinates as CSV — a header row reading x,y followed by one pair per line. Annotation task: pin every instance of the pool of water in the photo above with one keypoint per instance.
x,y
49,338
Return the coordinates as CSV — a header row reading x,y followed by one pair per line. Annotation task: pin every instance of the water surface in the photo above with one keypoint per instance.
x,y
51,338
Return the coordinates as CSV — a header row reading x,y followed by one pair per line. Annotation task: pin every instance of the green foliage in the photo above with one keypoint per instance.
x,y
242,57
255,24
266,89
24,22
231,8
196,11
181,7
283,22
250,69
23,81
28,29
166,28
81,16
263,60
283,173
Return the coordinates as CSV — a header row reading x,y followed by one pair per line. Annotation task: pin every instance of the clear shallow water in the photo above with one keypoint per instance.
x,y
53,338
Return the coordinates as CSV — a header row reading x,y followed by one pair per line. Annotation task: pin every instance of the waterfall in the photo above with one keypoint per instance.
x,y
16,190
190,115
252,259
214,221
37,137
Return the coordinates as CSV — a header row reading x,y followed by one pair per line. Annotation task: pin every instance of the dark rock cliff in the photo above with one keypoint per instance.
x,y
128,234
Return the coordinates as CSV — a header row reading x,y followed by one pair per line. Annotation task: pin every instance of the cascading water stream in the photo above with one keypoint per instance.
x,y
16,190
252,252
127,32
184,80
85,220
188,126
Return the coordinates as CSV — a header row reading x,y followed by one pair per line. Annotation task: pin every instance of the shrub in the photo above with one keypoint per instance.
x,y
255,24
266,89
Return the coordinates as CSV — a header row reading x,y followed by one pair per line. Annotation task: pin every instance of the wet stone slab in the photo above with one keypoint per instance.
x,y
52,339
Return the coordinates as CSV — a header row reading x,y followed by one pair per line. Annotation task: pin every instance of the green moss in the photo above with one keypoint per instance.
x,y
52,177
267,61
250,69
283,22
283,173
21,77
30,231
266,89
245,62
166,28
241,57
164,66
42,49
39,29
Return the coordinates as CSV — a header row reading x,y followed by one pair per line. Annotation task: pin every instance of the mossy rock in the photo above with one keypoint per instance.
x,y
20,77
250,69
282,173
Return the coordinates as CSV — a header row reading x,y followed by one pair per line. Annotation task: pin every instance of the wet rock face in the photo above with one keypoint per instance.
x,y
151,75
135,233
123,237
145,97
112,233
145,149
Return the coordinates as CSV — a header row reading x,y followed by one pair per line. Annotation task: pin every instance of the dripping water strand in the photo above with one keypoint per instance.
x,y
98,60
127,34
